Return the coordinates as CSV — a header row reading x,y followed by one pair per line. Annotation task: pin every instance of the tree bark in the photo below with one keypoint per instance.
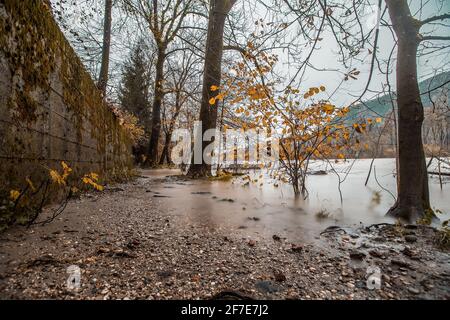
x,y
152,158
212,75
165,154
413,195
104,70
165,157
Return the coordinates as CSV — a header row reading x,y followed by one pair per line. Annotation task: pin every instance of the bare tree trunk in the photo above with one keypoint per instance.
x,y
152,158
212,75
413,194
165,153
104,70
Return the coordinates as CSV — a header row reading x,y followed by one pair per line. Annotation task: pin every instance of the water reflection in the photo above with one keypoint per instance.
x,y
268,207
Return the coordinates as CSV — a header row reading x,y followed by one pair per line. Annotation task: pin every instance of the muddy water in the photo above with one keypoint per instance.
x,y
267,207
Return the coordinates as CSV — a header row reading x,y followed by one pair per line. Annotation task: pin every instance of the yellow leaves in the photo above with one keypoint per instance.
x,y
345,110
30,184
214,88
360,128
14,195
212,101
74,190
66,170
377,120
341,156
92,180
328,108
220,96
346,135
56,177
236,100
313,91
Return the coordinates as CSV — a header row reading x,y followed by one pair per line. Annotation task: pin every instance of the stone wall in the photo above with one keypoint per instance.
x,y
50,109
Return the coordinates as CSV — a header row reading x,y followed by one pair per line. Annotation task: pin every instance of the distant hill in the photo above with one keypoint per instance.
x,y
382,105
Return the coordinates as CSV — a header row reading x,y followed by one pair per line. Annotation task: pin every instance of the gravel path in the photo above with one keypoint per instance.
x,y
128,247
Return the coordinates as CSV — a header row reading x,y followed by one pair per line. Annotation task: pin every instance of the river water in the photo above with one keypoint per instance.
x,y
268,207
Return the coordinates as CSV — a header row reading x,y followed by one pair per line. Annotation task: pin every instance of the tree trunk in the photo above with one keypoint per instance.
x,y
413,194
152,158
212,75
104,70
165,152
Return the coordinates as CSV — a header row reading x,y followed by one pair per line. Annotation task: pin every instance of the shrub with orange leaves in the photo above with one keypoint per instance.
x,y
307,124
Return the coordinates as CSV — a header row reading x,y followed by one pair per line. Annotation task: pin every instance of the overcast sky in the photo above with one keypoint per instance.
x,y
325,57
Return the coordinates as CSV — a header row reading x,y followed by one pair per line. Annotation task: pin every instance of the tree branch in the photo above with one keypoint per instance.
x,y
429,38
435,18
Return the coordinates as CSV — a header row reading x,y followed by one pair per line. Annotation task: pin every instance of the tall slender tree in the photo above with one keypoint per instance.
x,y
165,20
413,200
106,48
183,84
219,9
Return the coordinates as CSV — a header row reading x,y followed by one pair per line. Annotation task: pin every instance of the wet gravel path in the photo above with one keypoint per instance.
x,y
128,246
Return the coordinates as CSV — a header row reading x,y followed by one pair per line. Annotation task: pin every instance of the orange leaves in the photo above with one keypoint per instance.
x,y
313,91
212,101
14,195
30,184
66,170
377,120
60,179
256,92
92,180
328,108
214,88
56,177
359,127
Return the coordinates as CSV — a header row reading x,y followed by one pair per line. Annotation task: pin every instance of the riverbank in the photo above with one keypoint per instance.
x,y
129,246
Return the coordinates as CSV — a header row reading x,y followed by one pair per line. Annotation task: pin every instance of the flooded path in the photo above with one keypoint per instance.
x,y
167,238
267,207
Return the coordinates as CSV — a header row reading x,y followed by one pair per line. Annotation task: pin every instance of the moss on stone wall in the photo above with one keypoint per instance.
x,y
52,103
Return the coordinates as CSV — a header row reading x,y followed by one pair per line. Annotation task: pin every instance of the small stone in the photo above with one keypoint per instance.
x,y
375,253
400,263
266,287
357,255
279,276
296,248
410,238
414,290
